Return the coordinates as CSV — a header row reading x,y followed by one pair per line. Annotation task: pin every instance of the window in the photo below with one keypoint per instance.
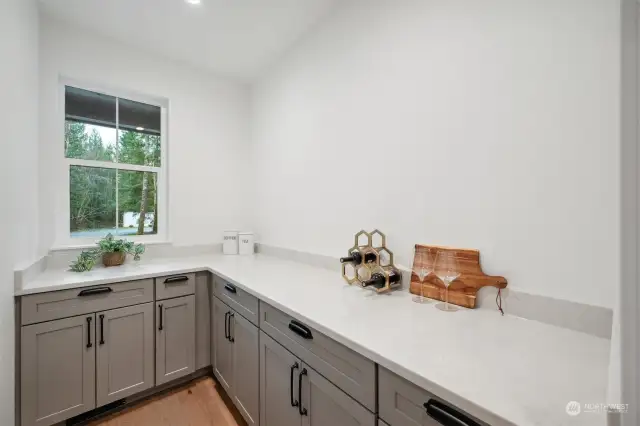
x,y
113,149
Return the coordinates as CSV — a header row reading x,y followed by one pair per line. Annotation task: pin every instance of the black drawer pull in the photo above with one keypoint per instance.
x,y
94,291
177,279
301,409
294,403
230,288
446,415
231,338
300,329
101,329
160,315
89,344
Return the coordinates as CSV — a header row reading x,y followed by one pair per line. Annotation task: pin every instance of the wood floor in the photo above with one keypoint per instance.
x,y
198,403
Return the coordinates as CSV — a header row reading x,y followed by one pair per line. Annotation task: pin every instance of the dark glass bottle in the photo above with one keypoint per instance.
x,y
357,257
379,280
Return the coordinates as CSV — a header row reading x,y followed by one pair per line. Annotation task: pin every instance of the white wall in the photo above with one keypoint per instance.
x,y
18,170
208,133
491,125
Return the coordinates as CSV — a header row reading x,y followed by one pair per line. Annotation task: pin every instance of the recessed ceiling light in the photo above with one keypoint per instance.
x,y
193,2
139,129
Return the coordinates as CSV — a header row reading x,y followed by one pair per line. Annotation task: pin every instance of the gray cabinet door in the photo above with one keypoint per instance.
x,y
401,403
246,368
124,358
279,371
222,349
175,338
327,405
57,370
203,320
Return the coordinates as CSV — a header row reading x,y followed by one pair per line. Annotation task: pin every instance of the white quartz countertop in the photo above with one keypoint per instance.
x,y
503,370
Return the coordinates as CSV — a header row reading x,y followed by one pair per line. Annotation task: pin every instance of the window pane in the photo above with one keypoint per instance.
x,y
89,141
137,198
139,141
139,148
92,201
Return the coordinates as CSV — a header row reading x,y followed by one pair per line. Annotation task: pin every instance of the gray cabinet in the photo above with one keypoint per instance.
x,y
327,405
382,423
288,387
239,300
246,368
222,349
175,286
203,320
236,360
175,338
57,370
402,403
350,371
279,370
124,352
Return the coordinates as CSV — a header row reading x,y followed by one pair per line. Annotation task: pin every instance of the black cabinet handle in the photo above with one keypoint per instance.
x,y
230,288
231,338
301,409
94,291
89,332
226,325
300,329
101,329
160,317
446,415
178,279
294,403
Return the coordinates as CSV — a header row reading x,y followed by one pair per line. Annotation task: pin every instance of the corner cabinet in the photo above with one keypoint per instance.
x,y
236,360
124,354
58,370
222,348
175,338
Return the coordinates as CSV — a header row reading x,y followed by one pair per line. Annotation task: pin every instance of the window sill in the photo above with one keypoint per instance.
x,y
63,248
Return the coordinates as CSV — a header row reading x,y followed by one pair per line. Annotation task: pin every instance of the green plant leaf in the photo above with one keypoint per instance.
x,y
87,259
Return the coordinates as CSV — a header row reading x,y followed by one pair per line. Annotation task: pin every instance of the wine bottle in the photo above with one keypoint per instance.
x,y
356,258
379,280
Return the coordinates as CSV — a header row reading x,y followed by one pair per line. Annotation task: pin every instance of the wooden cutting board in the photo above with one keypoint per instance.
x,y
463,290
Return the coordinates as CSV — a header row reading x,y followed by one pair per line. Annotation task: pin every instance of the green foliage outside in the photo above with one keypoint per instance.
x,y
93,190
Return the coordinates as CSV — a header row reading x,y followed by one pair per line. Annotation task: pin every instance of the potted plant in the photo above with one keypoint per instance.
x,y
113,252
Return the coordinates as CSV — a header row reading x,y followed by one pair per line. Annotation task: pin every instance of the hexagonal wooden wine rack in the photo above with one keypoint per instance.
x,y
370,242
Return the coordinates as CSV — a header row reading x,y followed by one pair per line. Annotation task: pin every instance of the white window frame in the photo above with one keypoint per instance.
x,y
63,238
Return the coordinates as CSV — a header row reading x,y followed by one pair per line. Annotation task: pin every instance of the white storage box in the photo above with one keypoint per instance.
x,y
246,240
230,242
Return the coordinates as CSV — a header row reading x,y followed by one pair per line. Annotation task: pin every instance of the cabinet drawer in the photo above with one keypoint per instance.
x,y
175,286
348,370
79,301
401,403
238,299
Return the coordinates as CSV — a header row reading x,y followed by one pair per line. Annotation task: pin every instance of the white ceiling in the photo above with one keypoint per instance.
x,y
237,38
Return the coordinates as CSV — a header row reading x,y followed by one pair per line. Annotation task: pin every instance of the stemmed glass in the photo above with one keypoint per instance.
x,y
447,269
422,267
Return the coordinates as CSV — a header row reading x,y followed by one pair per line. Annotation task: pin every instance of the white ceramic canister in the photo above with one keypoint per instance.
x,y
246,240
230,242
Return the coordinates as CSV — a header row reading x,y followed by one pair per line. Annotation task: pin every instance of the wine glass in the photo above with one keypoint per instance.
x,y
447,269
422,267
